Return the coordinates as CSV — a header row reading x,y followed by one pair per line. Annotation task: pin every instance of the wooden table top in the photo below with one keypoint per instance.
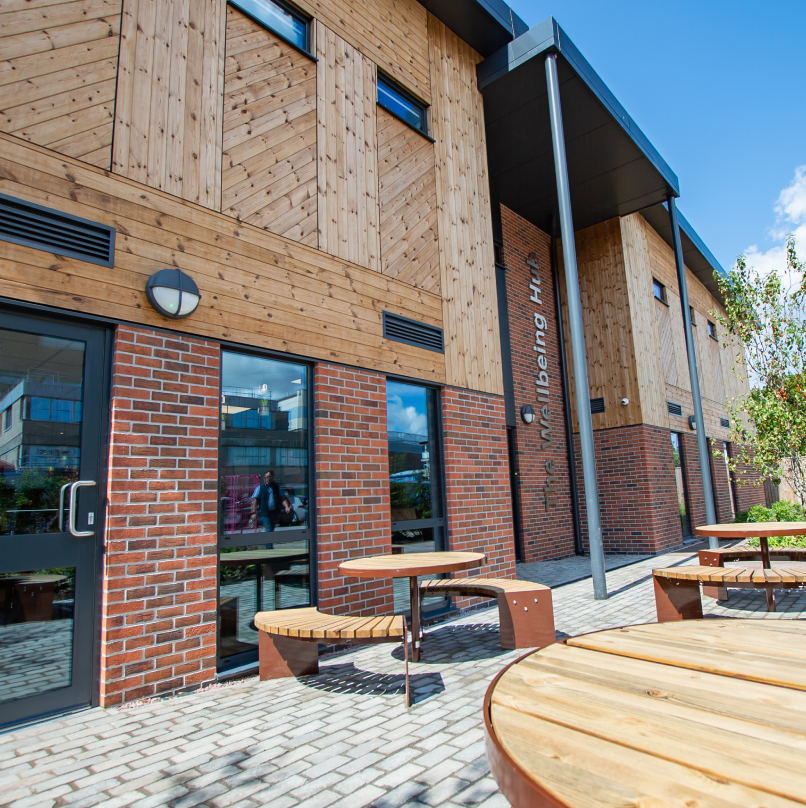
x,y
407,565
706,713
746,530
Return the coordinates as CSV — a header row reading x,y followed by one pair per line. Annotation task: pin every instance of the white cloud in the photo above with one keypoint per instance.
x,y
790,210
405,419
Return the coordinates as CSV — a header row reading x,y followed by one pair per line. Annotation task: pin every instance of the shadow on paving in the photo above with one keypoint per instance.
x,y
347,678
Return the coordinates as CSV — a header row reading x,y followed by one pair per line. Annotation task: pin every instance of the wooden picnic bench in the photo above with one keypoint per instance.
x,y
677,589
289,639
525,610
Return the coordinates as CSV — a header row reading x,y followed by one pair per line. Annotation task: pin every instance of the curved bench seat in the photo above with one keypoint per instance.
x,y
677,589
525,610
289,639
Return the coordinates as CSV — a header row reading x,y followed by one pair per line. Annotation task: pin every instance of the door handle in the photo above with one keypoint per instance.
x,y
71,522
61,506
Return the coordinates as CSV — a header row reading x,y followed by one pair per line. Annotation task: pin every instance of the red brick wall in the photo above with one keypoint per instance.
x,y
477,478
352,486
547,529
159,588
721,480
747,493
637,489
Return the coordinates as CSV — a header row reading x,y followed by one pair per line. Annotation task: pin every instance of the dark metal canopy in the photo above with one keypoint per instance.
x,y
613,168
486,25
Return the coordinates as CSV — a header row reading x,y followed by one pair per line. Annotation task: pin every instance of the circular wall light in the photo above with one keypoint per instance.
x,y
527,414
173,293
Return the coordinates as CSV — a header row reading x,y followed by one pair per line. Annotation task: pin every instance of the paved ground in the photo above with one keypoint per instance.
x,y
343,739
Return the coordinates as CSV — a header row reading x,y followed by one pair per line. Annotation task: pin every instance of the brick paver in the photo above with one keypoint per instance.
x,y
340,740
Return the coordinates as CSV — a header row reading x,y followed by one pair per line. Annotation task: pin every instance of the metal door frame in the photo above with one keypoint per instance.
x,y
84,688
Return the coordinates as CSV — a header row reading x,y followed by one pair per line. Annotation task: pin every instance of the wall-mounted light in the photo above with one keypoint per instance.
x,y
625,401
692,423
527,414
173,293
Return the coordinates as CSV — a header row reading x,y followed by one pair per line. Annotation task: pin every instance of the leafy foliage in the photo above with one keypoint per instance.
x,y
767,317
779,512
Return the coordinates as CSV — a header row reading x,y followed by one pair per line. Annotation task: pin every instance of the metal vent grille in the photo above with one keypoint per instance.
x,y
50,230
674,409
401,329
597,405
724,422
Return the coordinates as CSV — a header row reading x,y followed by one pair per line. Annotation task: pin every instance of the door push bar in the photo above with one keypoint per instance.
x,y
71,519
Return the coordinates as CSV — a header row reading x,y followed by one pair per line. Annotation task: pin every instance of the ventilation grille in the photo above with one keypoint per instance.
x,y
674,409
597,405
724,422
401,329
45,229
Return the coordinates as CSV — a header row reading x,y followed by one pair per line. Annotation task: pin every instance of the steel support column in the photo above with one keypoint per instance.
x,y
577,333
702,440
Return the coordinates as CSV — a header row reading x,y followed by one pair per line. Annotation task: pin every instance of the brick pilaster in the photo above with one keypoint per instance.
x,y
159,590
352,486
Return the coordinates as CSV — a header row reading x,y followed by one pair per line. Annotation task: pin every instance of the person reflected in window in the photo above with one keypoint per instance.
x,y
266,502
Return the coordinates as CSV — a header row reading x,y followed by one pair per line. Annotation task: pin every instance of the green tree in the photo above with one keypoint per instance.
x,y
766,314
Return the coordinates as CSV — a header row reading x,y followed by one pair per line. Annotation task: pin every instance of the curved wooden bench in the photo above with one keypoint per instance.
x,y
289,639
677,589
525,610
718,558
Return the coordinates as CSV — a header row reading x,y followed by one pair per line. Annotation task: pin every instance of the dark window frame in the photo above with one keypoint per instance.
x,y
252,11
712,333
659,291
691,314
686,498
395,88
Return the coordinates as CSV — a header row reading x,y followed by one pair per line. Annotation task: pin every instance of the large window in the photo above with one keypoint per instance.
x,y
680,480
415,475
280,18
264,497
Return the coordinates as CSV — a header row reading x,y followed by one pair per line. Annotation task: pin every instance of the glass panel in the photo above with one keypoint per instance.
x,y
415,477
680,480
421,540
729,474
264,447
36,631
278,19
396,102
253,579
41,388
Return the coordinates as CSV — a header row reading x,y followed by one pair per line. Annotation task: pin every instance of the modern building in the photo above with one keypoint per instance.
x,y
282,284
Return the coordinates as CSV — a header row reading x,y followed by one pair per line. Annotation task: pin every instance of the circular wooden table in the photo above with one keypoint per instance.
x,y
706,713
410,565
764,530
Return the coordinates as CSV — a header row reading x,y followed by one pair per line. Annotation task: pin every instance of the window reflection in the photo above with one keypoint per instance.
x,y
680,480
415,478
264,561
41,389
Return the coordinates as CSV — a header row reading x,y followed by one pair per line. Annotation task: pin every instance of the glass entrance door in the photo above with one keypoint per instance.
x,y
51,378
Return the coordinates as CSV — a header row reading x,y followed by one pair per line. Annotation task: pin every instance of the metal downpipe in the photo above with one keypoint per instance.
x,y
702,440
577,333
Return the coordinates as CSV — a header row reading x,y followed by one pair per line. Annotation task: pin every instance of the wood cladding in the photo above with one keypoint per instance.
x,y
57,74
269,163
408,204
393,33
168,132
347,151
609,337
257,288
467,263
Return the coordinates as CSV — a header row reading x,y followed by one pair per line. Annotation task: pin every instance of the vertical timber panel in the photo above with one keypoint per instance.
x,y
168,119
269,164
347,151
58,65
408,204
467,268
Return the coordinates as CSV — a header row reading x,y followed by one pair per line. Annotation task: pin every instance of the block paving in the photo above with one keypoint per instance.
x,y
343,739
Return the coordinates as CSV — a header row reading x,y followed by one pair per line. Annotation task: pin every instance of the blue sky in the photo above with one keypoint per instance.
x,y
720,89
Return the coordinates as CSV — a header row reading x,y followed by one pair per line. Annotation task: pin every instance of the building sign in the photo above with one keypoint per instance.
x,y
542,378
